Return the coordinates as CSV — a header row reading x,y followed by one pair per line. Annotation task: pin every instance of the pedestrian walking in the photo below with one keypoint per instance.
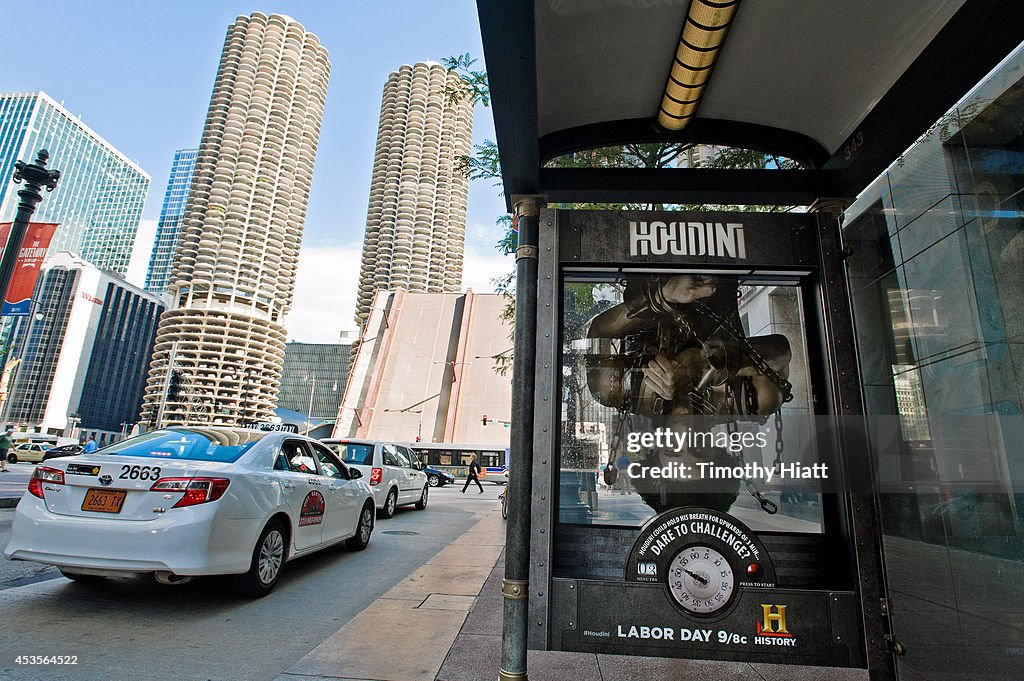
x,y
622,465
6,441
610,473
474,471
91,445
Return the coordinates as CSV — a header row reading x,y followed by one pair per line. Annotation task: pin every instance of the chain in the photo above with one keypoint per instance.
x,y
767,505
778,439
760,363
699,400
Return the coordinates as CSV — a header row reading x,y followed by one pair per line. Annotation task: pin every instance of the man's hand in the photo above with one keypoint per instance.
x,y
686,288
669,376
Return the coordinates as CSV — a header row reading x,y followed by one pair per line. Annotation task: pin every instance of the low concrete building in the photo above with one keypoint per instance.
x,y
429,367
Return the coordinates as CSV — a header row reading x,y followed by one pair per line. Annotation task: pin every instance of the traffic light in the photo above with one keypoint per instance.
x,y
174,385
484,420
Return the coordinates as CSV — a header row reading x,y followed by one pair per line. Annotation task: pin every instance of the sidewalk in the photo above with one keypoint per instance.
x,y
407,633
443,623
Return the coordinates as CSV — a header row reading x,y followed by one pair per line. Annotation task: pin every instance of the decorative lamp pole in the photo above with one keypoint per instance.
x,y
309,412
35,176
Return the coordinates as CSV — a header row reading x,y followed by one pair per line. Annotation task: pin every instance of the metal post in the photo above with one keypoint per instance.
x,y
36,176
309,412
516,587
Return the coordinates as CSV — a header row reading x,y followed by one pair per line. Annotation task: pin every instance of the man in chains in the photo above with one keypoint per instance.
x,y
674,352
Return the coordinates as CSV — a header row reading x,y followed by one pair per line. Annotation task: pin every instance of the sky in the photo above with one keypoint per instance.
x,y
140,75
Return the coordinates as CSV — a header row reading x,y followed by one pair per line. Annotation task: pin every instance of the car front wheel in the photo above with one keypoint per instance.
x,y
422,503
390,504
267,560
433,480
363,531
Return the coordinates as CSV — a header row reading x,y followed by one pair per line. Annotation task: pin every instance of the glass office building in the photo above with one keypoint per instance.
x,y
325,363
84,354
158,277
937,280
99,200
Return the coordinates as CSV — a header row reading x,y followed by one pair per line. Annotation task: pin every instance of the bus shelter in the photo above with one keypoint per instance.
x,y
721,362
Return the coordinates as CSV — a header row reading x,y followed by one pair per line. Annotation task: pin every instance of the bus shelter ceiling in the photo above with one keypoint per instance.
x,y
843,86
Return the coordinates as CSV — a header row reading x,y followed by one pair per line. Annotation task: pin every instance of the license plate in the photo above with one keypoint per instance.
x,y
104,500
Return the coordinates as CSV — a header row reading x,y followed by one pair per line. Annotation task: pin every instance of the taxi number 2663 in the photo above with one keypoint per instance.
x,y
140,473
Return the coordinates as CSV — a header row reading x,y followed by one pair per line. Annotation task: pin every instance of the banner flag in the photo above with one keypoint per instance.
x,y
18,300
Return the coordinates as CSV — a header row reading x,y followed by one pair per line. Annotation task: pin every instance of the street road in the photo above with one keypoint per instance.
x,y
137,629
15,480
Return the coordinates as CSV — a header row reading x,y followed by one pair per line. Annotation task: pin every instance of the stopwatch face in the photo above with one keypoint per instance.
x,y
701,580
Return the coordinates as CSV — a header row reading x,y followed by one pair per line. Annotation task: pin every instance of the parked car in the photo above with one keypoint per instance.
x,y
395,475
438,478
181,502
63,450
31,452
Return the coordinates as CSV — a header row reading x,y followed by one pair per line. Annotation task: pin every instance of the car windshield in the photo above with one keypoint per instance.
x,y
224,446
351,452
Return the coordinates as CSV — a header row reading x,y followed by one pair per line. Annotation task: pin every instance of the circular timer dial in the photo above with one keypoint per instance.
x,y
701,580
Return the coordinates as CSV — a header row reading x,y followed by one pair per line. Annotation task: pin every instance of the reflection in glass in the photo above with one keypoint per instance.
x,y
683,390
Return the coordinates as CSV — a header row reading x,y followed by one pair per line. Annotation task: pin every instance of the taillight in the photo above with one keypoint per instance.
x,y
197,490
376,475
44,474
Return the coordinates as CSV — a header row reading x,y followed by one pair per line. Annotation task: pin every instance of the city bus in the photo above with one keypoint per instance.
x,y
454,459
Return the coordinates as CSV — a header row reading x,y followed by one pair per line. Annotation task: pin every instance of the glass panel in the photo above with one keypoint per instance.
x,y
328,466
185,443
681,382
940,334
353,452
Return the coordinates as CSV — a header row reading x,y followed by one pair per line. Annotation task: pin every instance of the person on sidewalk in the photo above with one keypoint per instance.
x,y
610,474
474,471
90,446
5,443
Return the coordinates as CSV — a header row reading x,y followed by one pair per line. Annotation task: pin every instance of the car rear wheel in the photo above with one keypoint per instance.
x,y
390,504
433,480
267,561
422,503
362,536
12,458
79,577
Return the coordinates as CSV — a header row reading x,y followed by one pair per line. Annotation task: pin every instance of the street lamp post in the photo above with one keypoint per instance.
x,y
35,176
309,412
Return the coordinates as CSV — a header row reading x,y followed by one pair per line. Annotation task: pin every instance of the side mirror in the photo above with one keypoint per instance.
x,y
354,474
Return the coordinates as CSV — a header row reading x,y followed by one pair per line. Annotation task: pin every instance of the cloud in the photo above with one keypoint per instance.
x,y
325,293
480,267
327,284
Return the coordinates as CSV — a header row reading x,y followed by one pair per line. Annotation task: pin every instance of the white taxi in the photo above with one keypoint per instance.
x,y
187,501
395,474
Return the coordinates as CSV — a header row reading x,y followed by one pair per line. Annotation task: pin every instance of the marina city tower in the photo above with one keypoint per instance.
x,y
219,349
416,220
